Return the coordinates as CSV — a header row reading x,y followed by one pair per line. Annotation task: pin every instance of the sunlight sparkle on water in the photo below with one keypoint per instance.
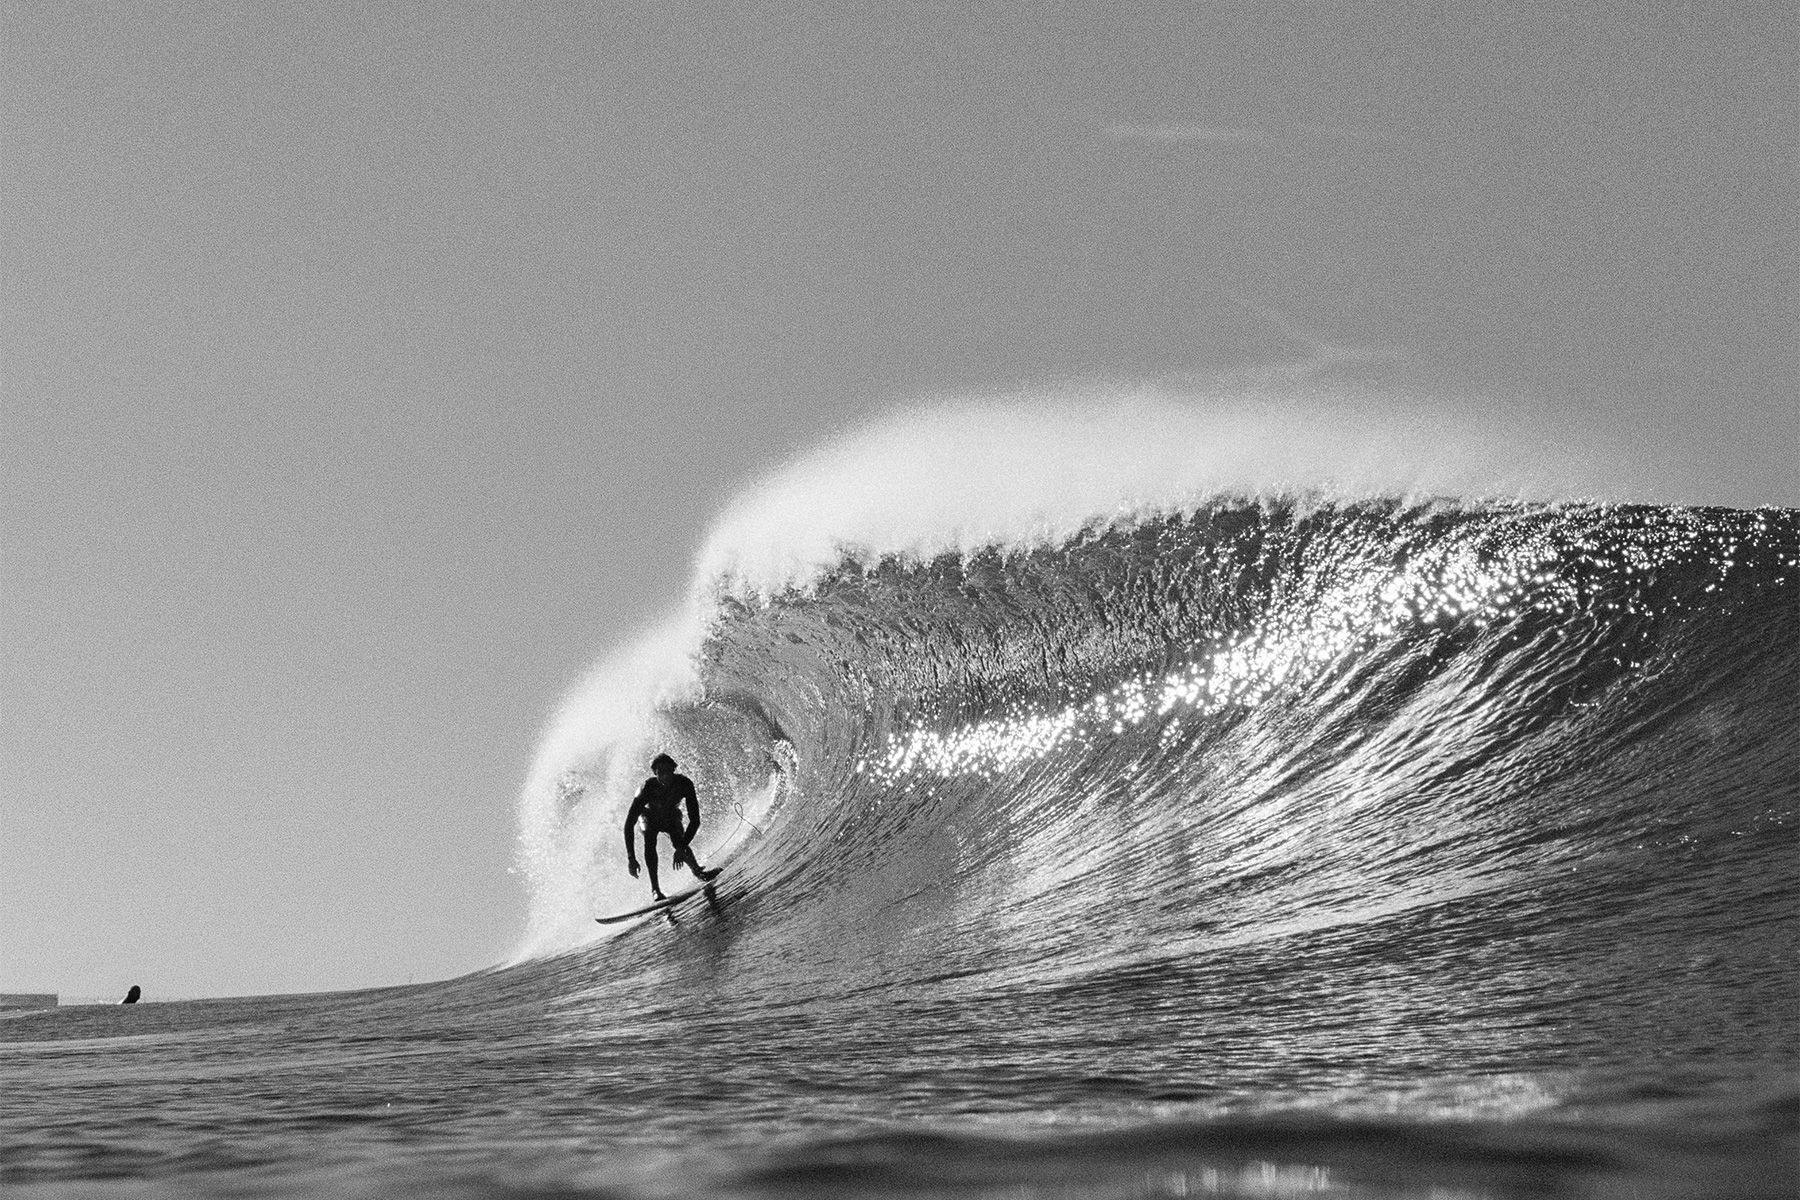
x,y
1301,637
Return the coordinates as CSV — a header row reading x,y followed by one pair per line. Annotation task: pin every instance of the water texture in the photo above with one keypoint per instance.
x,y
1279,847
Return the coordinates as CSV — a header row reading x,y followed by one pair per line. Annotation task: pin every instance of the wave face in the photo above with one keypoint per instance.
x,y
1035,485
1257,722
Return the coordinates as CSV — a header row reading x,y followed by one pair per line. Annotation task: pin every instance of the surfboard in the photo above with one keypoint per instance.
x,y
666,902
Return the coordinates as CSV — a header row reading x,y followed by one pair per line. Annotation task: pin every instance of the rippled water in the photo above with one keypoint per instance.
x,y
1265,850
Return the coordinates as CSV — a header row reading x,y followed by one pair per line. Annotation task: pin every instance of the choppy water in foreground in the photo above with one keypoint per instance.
x,y
1359,850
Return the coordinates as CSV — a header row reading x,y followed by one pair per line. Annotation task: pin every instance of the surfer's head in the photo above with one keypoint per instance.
x,y
662,764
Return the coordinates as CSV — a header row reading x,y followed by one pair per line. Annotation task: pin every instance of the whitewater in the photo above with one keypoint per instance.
x,y
1118,797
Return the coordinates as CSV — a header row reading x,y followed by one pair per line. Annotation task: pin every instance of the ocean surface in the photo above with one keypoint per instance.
x,y
1244,847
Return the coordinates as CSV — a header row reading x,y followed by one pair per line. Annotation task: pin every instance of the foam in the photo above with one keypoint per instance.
x,y
1025,471
601,734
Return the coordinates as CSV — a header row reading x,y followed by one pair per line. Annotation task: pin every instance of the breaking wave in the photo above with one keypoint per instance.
x,y
1021,666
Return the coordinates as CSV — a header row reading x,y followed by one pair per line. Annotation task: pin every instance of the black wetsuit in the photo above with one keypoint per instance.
x,y
659,804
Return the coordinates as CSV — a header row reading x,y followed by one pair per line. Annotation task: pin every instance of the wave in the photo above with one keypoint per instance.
x,y
1025,666
1107,814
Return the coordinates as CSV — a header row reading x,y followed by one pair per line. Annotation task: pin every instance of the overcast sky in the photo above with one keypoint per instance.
x,y
368,369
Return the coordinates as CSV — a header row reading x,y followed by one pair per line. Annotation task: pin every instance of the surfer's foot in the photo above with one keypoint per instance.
x,y
708,873
658,894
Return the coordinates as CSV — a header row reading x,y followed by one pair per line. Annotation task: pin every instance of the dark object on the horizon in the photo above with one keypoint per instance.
x,y
131,997
659,803
667,902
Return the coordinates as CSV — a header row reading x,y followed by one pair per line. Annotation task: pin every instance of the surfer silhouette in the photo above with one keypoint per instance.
x,y
659,805
131,997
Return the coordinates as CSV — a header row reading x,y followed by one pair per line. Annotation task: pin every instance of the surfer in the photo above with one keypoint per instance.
x,y
659,803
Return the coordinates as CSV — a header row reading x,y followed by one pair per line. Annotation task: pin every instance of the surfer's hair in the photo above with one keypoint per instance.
x,y
662,762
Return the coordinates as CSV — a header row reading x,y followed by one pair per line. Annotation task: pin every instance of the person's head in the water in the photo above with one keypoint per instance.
x,y
662,764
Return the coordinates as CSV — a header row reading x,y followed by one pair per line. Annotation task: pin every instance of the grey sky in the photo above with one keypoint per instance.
x,y
367,369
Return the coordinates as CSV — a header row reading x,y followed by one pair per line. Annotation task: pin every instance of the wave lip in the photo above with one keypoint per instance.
x,y
1037,470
